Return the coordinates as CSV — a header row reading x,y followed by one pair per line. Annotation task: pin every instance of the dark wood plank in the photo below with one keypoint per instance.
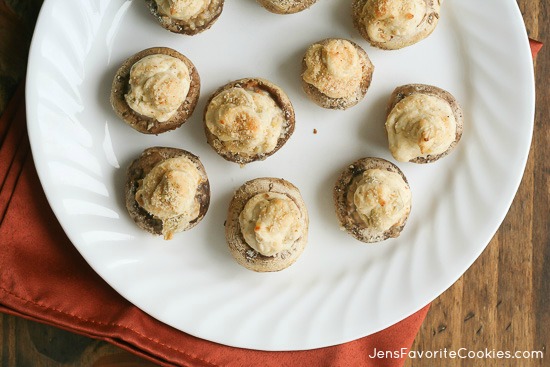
x,y
17,20
31,344
541,192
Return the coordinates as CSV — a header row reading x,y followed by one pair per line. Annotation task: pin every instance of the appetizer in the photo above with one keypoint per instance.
x,y
267,225
186,16
336,73
394,24
372,199
423,123
248,120
155,90
167,191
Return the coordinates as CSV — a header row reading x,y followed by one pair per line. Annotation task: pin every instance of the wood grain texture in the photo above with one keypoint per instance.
x,y
30,344
501,303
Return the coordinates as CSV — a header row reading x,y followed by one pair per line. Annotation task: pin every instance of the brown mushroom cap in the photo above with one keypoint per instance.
x,y
406,90
241,251
325,101
281,100
198,24
137,171
286,6
139,122
346,215
424,29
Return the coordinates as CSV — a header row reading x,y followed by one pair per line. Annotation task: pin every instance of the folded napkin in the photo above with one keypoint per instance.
x,y
44,278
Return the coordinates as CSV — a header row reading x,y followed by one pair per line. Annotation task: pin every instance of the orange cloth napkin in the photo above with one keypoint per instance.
x,y
44,278
536,46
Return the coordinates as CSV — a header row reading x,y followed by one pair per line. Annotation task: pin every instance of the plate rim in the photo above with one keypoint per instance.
x,y
525,52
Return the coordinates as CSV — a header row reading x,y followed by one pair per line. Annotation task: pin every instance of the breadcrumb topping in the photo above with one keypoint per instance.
x,y
245,121
168,192
334,68
158,86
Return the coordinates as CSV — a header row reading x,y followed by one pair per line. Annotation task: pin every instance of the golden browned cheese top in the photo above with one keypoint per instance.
x,y
168,192
270,223
245,121
420,125
334,68
158,86
381,198
182,9
385,19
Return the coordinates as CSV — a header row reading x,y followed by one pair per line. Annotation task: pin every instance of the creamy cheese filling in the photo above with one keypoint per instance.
x,y
381,198
386,19
271,223
182,9
158,86
335,68
420,125
245,121
168,192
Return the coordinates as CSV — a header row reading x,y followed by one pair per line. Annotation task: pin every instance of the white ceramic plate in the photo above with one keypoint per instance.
x,y
340,289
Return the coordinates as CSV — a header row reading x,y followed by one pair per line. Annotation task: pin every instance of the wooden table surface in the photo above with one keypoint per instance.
x,y
502,303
